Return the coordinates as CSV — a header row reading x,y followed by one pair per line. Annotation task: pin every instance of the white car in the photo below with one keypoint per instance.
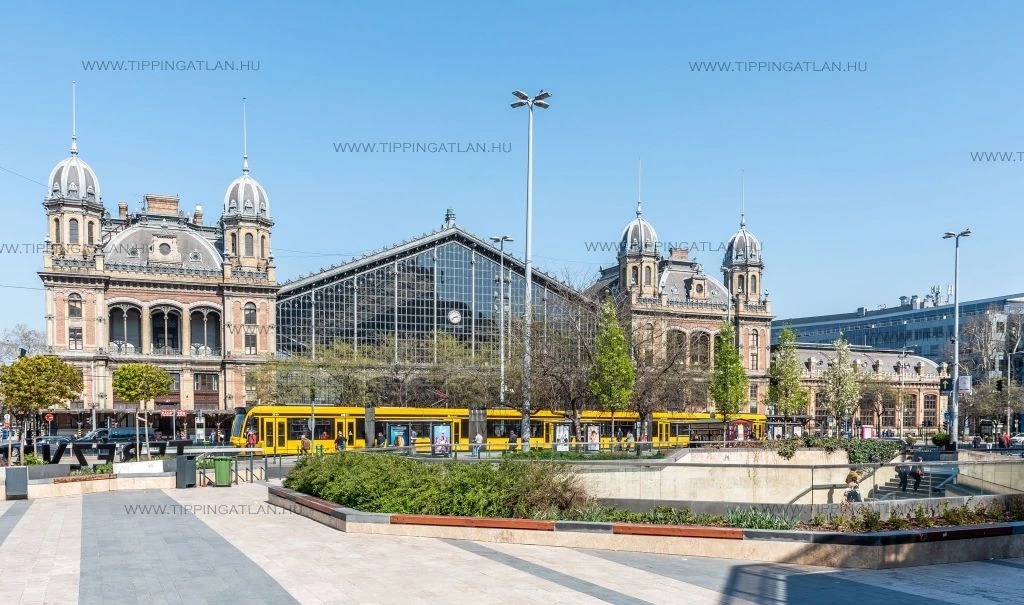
x,y
1017,440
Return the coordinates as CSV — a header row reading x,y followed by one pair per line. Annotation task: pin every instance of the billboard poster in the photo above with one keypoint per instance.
x,y
441,437
398,435
562,437
593,438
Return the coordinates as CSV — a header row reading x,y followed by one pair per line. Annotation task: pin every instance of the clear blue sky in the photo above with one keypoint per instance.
x,y
851,177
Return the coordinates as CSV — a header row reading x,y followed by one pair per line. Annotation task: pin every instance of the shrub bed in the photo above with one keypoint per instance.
x,y
858,451
537,454
394,484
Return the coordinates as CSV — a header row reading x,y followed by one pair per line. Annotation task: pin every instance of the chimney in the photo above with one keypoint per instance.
x,y
904,301
679,253
862,311
915,302
122,209
162,204
197,216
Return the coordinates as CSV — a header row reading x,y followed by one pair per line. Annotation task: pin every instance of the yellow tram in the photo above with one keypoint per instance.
x,y
279,428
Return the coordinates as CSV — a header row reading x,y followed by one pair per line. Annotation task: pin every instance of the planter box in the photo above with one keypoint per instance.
x,y
48,471
149,467
79,478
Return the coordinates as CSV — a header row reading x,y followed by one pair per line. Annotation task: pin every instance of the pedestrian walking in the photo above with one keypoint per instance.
x,y
917,473
512,442
903,472
304,445
478,444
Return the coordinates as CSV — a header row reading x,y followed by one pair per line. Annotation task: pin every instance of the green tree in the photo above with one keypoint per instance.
x,y
612,375
785,389
841,387
729,385
34,383
140,382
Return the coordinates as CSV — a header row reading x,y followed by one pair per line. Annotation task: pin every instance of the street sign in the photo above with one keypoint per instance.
x,y
965,385
48,417
946,386
309,423
178,413
7,417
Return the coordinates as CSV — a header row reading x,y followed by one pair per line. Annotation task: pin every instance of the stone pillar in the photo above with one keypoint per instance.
x,y
187,392
146,337
186,332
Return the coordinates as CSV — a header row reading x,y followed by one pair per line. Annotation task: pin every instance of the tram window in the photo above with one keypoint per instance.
x,y
499,428
680,429
360,429
464,430
419,430
324,428
296,428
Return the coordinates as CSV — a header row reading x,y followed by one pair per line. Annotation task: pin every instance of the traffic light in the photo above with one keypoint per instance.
x,y
22,352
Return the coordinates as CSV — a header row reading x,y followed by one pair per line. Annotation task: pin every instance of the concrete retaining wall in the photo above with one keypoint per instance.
x,y
871,551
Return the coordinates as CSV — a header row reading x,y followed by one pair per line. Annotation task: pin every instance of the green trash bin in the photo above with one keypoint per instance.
x,y
222,472
319,450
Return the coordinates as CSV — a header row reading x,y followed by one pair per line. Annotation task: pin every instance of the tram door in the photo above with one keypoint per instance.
x,y
273,435
663,432
346,428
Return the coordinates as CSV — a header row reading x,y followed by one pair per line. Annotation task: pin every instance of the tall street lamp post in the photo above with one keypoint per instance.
x,y
500,240
539,101
953,408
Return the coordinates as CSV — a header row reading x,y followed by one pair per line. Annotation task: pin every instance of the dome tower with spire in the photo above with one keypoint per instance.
x,y
639,257
246,218
742,264
74,208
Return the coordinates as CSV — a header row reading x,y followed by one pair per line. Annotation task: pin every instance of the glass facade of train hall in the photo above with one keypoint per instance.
x,y
406,302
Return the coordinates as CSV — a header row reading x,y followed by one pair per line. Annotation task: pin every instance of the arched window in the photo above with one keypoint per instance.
x,y
234,244
931,411
263,246
250,334
648,343
74,305
753,284
755,349
57,237
635,277
739,285
700,349
248,244
73,231
647,276
250,314
90,233
675,347
909,411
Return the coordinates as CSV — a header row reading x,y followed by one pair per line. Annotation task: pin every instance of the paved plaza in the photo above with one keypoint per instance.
x,y
226,545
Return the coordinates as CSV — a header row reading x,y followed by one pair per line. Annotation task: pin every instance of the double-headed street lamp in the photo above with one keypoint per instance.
x,y
500,240
953,408
539,101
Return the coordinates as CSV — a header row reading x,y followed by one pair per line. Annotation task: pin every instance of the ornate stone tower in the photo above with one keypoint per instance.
x,y
639,258
246,219
742,265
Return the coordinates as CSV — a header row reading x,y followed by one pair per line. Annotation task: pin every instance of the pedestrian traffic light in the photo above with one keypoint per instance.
x,y
22,352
